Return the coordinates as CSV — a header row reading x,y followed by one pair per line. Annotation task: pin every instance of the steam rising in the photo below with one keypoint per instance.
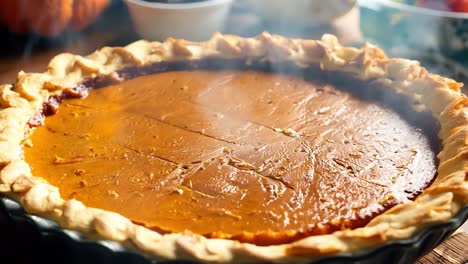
x,y
298,18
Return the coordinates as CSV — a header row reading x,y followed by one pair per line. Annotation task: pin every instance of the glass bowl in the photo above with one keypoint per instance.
x,y
393,24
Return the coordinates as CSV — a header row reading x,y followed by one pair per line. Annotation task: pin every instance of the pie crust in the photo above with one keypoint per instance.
x,y
427,92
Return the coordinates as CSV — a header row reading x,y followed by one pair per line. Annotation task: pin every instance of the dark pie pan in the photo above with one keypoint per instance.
x,y
26,238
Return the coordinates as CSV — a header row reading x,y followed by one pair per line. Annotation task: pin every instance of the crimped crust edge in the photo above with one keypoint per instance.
x,y
441,96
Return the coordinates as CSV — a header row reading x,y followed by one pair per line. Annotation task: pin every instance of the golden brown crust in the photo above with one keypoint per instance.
x,y
440,95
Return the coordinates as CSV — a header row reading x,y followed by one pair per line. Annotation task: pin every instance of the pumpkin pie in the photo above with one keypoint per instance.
x,y
236,149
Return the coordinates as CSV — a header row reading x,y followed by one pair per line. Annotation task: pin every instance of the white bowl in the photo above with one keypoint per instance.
x,y
192,21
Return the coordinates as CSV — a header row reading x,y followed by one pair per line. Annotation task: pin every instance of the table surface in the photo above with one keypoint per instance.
x,y
28,58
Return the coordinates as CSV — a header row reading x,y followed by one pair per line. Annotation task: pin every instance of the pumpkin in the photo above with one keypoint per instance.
x,y
49,17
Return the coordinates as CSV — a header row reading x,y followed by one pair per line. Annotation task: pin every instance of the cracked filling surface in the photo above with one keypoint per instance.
x,y
245,155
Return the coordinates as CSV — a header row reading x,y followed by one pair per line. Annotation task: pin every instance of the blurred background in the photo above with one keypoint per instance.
x,y
432,31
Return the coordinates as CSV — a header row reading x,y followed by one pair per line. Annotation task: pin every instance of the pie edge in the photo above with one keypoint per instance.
x,y
442,96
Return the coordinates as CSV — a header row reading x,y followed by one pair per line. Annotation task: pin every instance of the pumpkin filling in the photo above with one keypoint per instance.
x,y
245,155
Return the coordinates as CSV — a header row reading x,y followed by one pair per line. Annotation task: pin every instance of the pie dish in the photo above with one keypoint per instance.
x,y
326,62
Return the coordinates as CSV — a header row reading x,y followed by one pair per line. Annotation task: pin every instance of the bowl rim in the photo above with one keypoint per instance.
x,y
413,9
179,6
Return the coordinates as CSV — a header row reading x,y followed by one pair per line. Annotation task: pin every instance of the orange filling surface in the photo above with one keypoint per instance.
x,y
243,155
